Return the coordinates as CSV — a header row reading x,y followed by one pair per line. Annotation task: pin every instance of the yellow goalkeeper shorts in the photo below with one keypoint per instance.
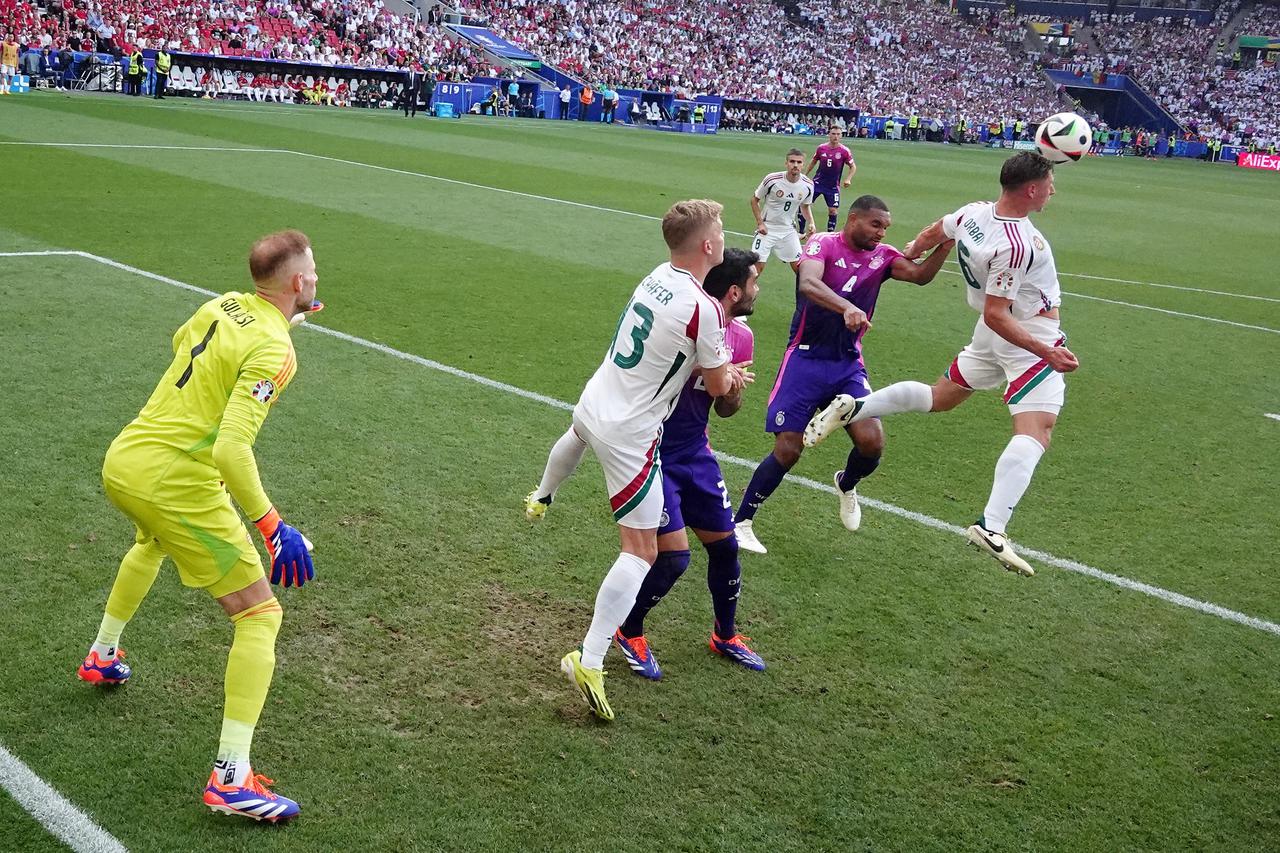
x,y
210,546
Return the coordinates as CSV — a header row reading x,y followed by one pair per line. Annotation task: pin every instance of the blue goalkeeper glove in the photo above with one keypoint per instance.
x,y
289,550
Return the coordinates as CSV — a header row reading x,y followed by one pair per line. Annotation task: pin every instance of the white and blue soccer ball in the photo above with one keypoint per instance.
x,y
1064,137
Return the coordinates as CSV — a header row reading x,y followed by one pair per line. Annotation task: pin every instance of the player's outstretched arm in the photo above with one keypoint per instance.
x,y
997,313
924,241
848,179
921,272
812,287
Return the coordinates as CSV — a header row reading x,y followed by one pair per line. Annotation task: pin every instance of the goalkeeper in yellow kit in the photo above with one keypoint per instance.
x,y
166,472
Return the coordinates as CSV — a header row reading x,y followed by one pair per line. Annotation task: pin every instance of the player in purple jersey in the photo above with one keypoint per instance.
x,y
836,290
831,159
694,491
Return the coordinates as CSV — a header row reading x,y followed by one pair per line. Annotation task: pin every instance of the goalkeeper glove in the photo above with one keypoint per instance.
x,y
289,550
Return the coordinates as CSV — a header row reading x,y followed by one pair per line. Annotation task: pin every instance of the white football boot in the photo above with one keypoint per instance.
x,y
850,512
834,417
997,545
746,537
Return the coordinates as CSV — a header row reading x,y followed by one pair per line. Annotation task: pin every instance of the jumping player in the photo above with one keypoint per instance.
x,y
775,204
836,293
669,327
1013,282
166,472
831,158
693,488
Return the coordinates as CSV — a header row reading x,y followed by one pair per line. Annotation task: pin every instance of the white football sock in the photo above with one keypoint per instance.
x,y
614,601
108,637
1013,475
895,398
563,460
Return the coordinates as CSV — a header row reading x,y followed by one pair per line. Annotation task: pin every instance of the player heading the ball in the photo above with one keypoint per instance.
x,y
1012,282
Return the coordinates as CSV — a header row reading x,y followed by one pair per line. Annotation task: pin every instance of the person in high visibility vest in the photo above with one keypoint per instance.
x,y
1172,141
133,80
699,114
163,63
1018,127
964,129
584,100
913,127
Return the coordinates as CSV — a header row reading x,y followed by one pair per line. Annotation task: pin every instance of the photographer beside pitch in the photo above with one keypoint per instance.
x,y
166,472
1013,281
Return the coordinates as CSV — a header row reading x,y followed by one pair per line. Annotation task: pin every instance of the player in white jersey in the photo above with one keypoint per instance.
x,y
1012,280
775,204
669,327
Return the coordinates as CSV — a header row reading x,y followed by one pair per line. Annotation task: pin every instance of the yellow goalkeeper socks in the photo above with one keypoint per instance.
x,y
249,668
137,573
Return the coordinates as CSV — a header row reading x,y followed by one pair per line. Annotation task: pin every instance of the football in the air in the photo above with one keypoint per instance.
x,y
1063,137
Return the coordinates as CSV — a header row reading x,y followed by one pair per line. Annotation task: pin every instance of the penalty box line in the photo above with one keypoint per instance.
x,y
650,217
1079,568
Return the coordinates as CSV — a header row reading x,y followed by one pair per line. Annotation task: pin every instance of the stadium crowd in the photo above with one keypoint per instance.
x,y
881,56
884,57
1187,69
358,33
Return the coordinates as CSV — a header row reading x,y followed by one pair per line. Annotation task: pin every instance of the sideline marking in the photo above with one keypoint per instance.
x,y
1157,310
647,216
1176,598
55,812
1273,417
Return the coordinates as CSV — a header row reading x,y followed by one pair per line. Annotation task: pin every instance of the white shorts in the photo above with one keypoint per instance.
x,y
782,240
8,71
990,361
632,476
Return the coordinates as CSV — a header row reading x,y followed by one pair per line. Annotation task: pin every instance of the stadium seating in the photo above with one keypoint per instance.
x,y
359,33
880,56
1186,68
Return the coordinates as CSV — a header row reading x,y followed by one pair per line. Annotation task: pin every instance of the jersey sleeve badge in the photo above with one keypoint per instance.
x,y
264,391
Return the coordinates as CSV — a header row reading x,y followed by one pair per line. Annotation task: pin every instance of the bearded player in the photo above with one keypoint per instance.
x,y
1018,342
694,493
165,471
778,199
836,291
668,328
831,158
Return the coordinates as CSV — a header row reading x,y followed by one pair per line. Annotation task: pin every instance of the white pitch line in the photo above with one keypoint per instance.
x,y
1181,287
1176,598
554,200
1157,310
1272,416
55,812
1179,313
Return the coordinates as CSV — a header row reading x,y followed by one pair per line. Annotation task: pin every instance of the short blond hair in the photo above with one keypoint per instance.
x,y
273,251
687,219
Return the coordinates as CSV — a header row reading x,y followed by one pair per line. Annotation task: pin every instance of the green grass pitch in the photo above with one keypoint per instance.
x,y
917,697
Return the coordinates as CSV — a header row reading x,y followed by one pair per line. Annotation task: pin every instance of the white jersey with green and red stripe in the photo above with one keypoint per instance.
x,y
669,327
1003,256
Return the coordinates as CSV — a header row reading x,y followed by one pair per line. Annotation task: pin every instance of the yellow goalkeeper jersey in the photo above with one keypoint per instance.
x,y
231,362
